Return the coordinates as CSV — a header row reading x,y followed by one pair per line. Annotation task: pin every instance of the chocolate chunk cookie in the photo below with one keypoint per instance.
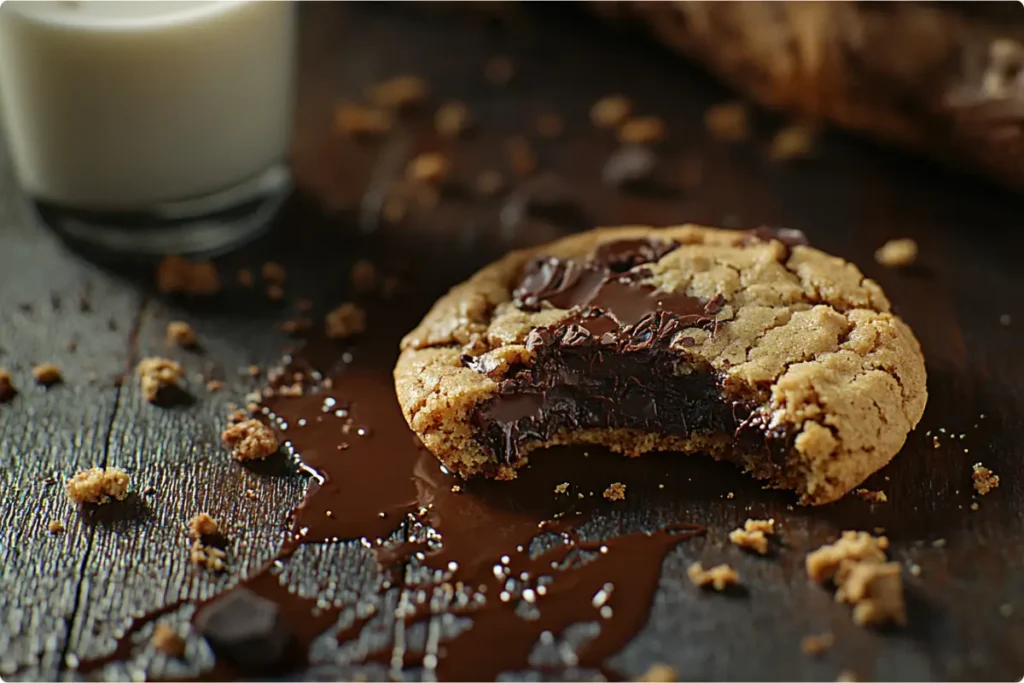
x,y
750,346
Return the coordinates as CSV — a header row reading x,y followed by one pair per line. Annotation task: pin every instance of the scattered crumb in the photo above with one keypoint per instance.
x,y
275,292
642,130
237,415
364,276
55,527
562,488
455,489
846,676
727,122
274,272
939,543
345,321
984,479
303,305
429,168
165,640
521,156
181,333
214,385
875,590
250,440
46,374
974,506
1005,320
550,125
853,546
175,274
398,92
749,540
611,111
872,496
718,577
211,558
489,183
897,253
499,70
616,491
792,142
244,277
765,526
356,120
915,570
202,525
97,485
659,673
814,645
452,119
7,390
730,495
156,375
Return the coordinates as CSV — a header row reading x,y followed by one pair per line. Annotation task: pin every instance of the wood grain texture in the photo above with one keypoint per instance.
x,y
72,594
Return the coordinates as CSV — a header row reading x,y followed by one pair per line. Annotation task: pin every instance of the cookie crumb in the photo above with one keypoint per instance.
x,y
915,570
157,375
659,673
876,592
521,156
198,278
364,276
209,557
202,525
974,506
7,390
429,168
452,119
46,374
730,495
616,491
97,485
562,488
398,92
872,496
642,130
939,543
244,277
296,327
499,70
792,142
274,272
55,527
719,577
550,125
165,640
897,253
984,479
250,440
214,385
611,111
749,540
488,183
765,526
728,122
345,321
356,120
236,416
181,333
303,305
853,546
275,292
814,645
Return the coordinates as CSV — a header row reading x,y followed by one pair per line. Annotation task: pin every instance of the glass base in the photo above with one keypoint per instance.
x,y
200,227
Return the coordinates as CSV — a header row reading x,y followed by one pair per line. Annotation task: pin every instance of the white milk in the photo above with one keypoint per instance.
x,y
124,105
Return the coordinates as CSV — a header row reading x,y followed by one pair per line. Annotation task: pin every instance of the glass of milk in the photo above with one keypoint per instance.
x,y
150,127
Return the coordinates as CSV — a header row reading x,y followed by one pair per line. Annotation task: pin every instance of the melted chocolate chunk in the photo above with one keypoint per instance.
x,y
791,237
246,630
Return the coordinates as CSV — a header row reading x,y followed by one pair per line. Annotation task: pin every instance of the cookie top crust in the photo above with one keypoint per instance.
x,y
802,333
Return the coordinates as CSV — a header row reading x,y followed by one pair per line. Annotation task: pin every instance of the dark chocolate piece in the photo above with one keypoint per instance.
x,y
246,630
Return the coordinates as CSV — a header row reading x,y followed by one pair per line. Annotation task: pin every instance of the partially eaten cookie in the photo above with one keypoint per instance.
x,y
750,346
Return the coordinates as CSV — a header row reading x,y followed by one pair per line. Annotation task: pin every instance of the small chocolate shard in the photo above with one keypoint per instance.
x,y
246,630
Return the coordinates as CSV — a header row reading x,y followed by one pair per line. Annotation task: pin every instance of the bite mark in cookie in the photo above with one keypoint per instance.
x,y
750,346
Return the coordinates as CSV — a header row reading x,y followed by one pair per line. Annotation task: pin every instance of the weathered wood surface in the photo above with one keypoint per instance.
x,y
66,597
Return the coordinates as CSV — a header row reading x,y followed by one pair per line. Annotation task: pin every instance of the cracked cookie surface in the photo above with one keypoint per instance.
x,y
750,346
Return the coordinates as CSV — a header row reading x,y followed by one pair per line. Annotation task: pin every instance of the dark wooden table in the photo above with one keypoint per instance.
x,y
68,597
